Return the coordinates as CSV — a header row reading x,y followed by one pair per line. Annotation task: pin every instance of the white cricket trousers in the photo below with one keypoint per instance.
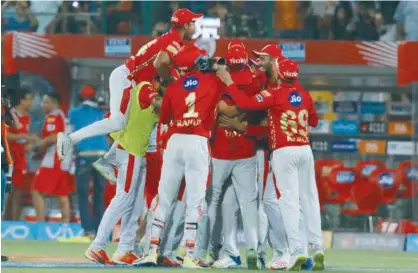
x,y
127,203
186,155
119,91
295,173
243,174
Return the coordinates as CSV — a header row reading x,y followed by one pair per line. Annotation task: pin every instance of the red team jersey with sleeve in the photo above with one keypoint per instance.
x,y
290,111
18,147
190,104
229,144
141,65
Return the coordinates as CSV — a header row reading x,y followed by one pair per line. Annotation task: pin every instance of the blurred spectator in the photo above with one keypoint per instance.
x,y
406,17
241,21
341,27
366,29
45,12
324,11
22,19
121,17
219,11
63,23
288,19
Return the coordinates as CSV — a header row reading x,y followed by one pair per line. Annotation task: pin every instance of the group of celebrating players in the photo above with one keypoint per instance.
x,y
191,152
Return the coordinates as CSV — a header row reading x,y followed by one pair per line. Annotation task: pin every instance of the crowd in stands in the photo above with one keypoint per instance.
x,y
324,20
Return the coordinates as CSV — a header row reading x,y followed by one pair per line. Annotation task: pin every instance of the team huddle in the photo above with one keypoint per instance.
x,y
191,156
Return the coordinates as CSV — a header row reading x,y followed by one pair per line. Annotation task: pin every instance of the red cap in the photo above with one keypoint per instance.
x,y
88,92
184,16
288,70
272,50
187,56
242,77
237,54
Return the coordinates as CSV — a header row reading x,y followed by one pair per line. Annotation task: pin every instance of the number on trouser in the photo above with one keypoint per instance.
x,y
190,103
292,123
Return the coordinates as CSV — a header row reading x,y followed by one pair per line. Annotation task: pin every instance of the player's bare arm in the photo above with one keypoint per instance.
x,y
234,123
161,64
228,110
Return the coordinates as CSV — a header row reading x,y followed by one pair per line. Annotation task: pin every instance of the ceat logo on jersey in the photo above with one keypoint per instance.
x,y
295,99
190,83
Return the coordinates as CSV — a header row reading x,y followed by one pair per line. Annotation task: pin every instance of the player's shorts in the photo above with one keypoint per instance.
x,y
18,179
71,183
51,182
154,161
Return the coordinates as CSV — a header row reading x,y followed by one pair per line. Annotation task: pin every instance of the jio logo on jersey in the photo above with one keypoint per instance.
x,y
190,83
295,99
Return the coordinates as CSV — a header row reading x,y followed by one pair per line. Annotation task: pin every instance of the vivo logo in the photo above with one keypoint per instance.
x,y
238,61
344,127
291,74
17,232
190,83
62,231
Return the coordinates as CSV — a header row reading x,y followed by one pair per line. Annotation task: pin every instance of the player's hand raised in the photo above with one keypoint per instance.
x,y
224,76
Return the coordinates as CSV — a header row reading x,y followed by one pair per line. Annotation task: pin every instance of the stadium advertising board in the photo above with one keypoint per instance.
x,y
412,243
13,230
371,107
374,147
400,128
321,128
373,127
345,107
368,241
400,148
400,111
115,47
294,51
344,146
319,146
345,127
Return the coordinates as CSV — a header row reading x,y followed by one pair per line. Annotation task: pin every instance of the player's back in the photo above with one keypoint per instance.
x,y
193,101
290,118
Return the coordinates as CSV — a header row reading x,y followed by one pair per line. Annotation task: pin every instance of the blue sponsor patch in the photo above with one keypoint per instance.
x,y
190,83
343,146
386,180
345,127
412,243
295,99
345,177
373,108
259,98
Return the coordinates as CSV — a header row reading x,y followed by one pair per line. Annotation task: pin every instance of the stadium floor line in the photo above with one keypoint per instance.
x,y
96,266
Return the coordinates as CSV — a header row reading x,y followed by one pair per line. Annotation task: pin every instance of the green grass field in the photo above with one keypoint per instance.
x,y
341,261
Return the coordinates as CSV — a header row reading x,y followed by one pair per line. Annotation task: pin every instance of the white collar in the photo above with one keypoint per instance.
x,y
90,103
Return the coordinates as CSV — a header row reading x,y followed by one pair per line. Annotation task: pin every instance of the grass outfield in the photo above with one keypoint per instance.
x,y
341,261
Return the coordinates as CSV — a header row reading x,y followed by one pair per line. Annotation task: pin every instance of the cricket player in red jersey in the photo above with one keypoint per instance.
x,y
152,60
51,178
233,156
290,113
20,142
189,107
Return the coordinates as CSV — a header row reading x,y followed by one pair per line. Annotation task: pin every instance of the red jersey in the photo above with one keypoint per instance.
x,y
18,147
191,104
290,112
141,65
229,144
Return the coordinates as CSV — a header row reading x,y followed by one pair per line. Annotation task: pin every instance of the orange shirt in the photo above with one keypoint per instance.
x,y
287,16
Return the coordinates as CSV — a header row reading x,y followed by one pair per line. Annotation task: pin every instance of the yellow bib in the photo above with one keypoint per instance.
x,y
134,138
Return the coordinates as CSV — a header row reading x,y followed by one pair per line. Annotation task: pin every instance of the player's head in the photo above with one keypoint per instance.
x,y
50,101
268,56
184,21
256,64
236,56
288,71
23,99
188,58
88,92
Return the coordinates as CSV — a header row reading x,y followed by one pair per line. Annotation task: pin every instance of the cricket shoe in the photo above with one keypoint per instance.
x,y
252,259
208,261
318,261
308,265
167,262
228,262
296,261
148,260
105,169
278,264
98,256
188,262
124,258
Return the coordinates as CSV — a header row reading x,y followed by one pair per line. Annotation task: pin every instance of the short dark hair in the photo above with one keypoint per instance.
x,y
19,95
54,96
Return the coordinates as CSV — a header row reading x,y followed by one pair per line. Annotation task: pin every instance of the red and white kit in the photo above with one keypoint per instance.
x,y
52,176
17,149
290,113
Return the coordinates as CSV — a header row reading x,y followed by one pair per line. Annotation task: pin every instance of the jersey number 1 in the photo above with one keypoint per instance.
x,y
190,101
